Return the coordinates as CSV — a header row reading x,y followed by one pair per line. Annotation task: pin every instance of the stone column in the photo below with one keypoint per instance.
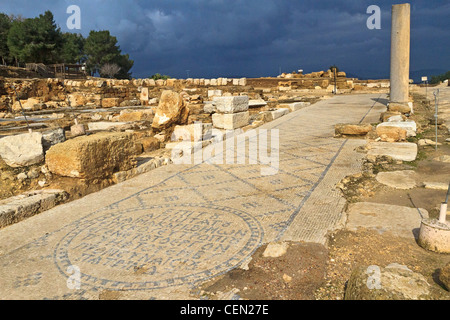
x,y
400,53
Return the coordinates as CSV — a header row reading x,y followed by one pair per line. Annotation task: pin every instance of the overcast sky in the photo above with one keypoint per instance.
x,y
253,38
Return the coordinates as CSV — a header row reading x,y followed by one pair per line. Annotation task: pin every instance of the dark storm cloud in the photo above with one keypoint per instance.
x,y
213,38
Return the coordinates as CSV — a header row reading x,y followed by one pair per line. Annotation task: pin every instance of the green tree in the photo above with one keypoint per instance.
x,y
439,78
72,50
35,40
5,25
101,48
158,76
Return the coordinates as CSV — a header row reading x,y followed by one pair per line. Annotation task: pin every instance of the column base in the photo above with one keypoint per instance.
x,y
403,107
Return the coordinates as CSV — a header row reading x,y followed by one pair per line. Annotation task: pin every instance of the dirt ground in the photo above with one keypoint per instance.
x,y
315,272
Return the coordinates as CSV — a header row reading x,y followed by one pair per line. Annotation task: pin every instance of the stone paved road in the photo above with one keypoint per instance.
x,y
161,234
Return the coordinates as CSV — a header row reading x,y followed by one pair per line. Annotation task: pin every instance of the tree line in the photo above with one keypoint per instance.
x,y
440,78
40,40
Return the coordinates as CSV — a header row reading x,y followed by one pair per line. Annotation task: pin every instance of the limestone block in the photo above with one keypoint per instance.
x,y
104,126
230,121
144,94
278,113
110,102
410,126
231,104
22,150
214,93
391,133
352,129
94,156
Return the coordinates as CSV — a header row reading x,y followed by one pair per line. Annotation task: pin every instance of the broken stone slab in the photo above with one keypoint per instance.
x,y
398,179
428,142
401,221
257,103
230,105
352,129
391,134
104,126
94,156
436,185
273,115
22,150
393,282
230,121
410,126
403,151
18,208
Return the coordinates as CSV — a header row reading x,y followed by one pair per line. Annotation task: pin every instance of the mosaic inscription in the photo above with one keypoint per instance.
x,y
156,247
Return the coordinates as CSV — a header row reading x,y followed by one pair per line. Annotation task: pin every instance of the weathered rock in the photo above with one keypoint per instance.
x,y
398,179
52,137
391,134
135,116
95,156
22,150
353,129
275,249
110,102
76,100
399,107
31,104
150,144
409,125
77,130
445,276
428,142
385,116
172,109
394,282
